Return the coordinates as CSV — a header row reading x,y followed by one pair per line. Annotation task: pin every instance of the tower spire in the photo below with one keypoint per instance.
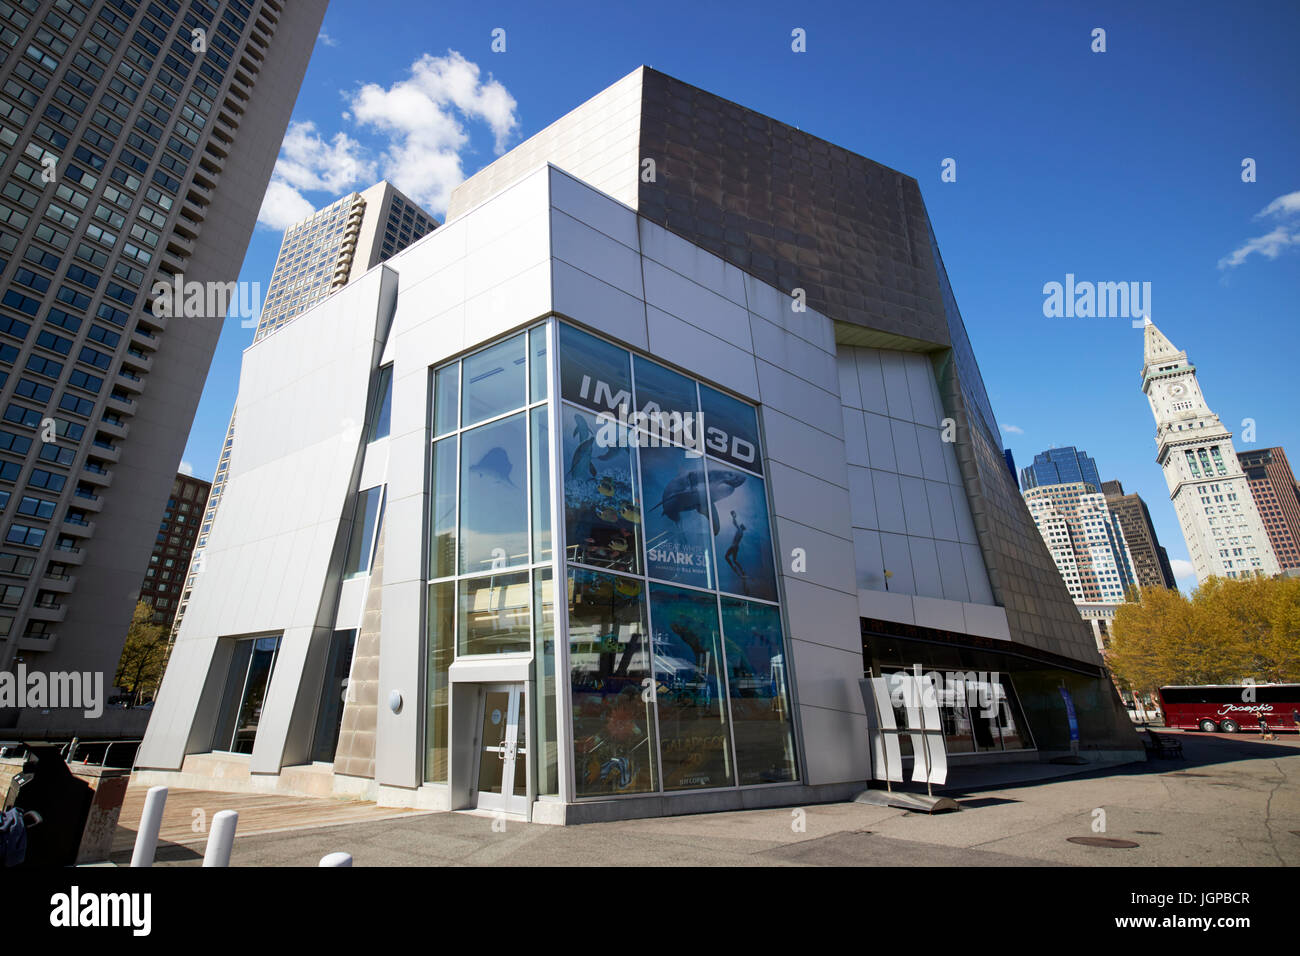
x,y
1156,347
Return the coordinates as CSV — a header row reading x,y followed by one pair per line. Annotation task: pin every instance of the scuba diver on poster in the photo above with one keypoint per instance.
x,y
732,555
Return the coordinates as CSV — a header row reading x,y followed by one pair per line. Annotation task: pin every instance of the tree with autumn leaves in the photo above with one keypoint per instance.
x,y
1223,633
144,656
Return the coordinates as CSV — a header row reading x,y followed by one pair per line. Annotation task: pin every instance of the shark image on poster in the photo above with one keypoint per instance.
x,y
677,517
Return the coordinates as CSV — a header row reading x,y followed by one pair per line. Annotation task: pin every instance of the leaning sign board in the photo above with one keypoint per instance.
x,y
918,697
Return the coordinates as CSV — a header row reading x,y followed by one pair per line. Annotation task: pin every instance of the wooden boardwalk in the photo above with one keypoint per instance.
x,y
188,815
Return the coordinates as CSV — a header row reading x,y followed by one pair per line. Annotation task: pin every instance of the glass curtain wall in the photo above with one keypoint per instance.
x,y
490,548
675,647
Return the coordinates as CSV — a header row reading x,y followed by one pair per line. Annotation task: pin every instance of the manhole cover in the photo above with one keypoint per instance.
x,y
1108,842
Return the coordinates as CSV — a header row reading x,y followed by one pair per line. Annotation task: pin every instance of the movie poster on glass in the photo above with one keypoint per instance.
x,y
757,683
742,537
693,738
601,506
677,516
610,674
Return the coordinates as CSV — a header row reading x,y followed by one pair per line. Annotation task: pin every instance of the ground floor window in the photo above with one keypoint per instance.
x,y
252,661
329,714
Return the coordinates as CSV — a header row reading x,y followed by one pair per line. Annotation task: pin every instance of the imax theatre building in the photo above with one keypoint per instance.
x,y
600,500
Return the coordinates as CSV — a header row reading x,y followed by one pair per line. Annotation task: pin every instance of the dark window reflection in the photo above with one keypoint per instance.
x,y
759,690
694,740
246,685
495,616
609,660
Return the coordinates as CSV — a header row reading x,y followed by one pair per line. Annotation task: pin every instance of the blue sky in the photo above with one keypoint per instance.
x,y
1116,166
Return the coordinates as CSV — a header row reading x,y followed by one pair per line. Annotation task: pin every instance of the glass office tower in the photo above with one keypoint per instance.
x,y
1059,466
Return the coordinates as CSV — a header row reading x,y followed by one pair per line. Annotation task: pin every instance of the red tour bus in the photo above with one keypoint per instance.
x,y
1231,707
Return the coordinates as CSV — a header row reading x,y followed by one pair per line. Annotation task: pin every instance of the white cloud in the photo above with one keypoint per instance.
x,y
1182,569
186,469
1271,244
422,116
1282,206
1014,429
282,206
328,40
308,162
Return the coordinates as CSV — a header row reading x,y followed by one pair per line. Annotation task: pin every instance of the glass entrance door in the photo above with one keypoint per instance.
x,y
503,754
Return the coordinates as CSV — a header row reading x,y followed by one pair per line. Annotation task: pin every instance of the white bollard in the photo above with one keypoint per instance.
x,y
336,859
146,838
221,839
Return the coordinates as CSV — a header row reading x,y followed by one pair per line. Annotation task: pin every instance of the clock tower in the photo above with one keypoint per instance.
x,y
1224,533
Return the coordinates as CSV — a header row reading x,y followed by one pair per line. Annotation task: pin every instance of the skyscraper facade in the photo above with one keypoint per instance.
x,y
137,139
1085,539
318,256
1058,466
1088,545
1222,526
1150,560
177,533
334,245
1277,498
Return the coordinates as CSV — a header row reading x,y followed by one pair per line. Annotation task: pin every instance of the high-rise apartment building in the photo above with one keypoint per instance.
x,y
1087,543
1224,532
1277,498
1150,560
1064,493
318,256
334,245
136,141
1058,466
177,533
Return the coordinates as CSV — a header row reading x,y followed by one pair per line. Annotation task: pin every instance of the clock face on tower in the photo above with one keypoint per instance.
x,y
1177,390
